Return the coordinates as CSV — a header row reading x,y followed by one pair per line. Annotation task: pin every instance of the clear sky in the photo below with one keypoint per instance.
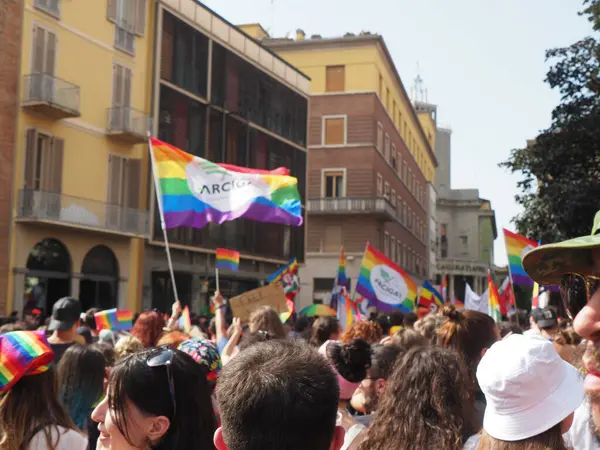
x,y
482,62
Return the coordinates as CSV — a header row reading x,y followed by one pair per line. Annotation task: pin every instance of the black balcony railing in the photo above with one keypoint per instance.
x,y
50,206
128,122
51,95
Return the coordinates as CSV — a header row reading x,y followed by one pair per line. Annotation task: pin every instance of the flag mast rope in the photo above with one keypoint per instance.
x,y
162,218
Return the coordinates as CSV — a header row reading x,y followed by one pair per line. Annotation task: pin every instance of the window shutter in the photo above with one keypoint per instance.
x,y
333,238
126,87
111,11
39,38
335,78
55,165
117,85
166,52
30,158
114,178
50,53
334,131
133,180
140,17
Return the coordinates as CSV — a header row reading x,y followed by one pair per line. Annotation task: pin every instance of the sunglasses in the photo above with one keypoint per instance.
x,y
575,291
163,357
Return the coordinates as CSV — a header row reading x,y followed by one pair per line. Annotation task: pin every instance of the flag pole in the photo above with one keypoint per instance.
x,y
162,217
217,279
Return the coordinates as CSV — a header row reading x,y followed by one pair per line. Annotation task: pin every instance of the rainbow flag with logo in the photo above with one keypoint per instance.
x,y
194,192
291,268
113,319
430,298
516,247
384,284
493,300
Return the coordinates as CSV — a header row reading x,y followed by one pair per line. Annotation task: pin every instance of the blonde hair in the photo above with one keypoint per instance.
x,y
127,345
551,439
267,319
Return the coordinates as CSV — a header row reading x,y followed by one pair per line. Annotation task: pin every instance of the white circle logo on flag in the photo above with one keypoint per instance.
x,y
221,190
389,286
526,250
433,307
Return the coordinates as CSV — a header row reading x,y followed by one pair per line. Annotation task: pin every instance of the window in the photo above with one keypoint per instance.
x,y
393,249
399,208
44,51
334,184
49,6
387,99
414,222
393,199
124,40
129,15
386,191
335,78
380,137
405,175
381,87
464,242
399,253
394,156
386,244
124,178
405,218
332,241
386,152
404,257
43,162
410,180
418,265
334,130
120,113
379,185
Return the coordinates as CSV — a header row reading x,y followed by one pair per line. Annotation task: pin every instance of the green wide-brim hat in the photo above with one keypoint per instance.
x,y
548,263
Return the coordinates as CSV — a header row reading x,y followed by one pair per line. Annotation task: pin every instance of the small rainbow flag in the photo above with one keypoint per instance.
x,y
430,298
228,260
291,267
493,300
347,311
113,319
384,283
195,192
185,321
516,247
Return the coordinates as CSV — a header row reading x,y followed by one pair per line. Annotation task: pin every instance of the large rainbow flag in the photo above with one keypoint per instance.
x,y
384,283
493,300
516,247
194,191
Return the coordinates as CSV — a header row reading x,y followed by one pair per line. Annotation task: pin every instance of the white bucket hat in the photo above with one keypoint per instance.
x,y
528,388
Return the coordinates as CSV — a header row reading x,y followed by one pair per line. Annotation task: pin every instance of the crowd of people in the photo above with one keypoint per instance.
x,y
452,380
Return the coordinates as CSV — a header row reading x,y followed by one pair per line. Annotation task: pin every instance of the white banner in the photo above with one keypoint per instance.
x,y
474,301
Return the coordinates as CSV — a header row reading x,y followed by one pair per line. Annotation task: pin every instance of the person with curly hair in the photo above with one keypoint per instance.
x,y
429,325
423,406
367,331
408,338
351,363
148,328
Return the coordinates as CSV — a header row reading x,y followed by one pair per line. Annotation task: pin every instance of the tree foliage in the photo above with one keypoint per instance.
x,y
560,188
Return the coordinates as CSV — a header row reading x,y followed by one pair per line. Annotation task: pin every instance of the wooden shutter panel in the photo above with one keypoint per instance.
x,y
126,87
140,17
30,158
39,39
334,131
133,180
333,238
111,11
55,165
50,53
335,78
166,52
115,170
117,85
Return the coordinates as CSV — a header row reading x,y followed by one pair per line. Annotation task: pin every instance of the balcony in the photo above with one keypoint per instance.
x,y
376,206
48,207
50,96
128,125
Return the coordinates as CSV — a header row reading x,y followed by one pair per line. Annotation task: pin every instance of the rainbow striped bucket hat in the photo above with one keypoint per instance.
x,y
23,353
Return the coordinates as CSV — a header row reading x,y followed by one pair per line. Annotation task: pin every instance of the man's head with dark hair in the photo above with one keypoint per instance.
x,y
410,318
278,394
383,358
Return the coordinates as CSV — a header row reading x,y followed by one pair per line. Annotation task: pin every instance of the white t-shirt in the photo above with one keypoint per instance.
x,y
69,440
532,332
580,436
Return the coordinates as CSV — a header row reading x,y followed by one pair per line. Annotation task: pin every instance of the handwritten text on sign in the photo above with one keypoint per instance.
x,y
272,295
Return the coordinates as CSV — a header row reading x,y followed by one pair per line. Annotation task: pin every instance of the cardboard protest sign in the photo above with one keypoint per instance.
x,y
272,295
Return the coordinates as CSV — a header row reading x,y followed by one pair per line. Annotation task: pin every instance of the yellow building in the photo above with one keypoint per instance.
x,y
360,64
79,201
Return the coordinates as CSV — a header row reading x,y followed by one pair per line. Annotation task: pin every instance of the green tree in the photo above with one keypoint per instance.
x,y
560,188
